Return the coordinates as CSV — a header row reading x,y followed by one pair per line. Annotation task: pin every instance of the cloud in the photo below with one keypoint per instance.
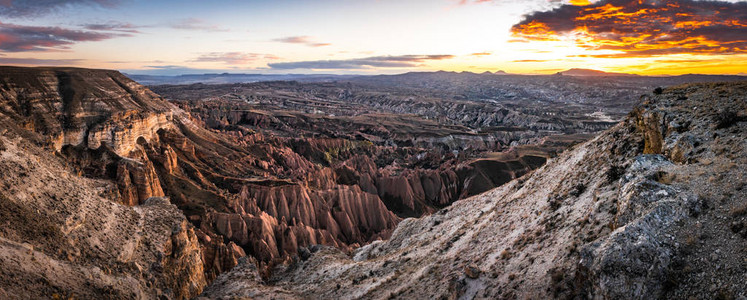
x,y
293,40
113,26
166,67
464,2
233,58
18,38
481,54
173,70
531,60
306,40
37,61
32,8
526,5
402,61
679,61
643,27
196,24
319,44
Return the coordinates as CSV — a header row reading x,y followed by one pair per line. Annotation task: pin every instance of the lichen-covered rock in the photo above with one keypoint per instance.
x,y
633,262
246,282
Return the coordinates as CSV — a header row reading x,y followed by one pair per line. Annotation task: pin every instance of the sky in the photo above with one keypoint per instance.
x,y
647,37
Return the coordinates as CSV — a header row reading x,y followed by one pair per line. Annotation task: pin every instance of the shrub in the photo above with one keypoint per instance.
x,y
578,190
725,119
505,254
614,173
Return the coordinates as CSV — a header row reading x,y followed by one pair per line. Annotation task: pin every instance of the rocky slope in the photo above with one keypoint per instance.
x,y
655,207
62,238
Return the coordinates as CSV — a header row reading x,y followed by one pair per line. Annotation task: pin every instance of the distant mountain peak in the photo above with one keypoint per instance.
x,y
499,72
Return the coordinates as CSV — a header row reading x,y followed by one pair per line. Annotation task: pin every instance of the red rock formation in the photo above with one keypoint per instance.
x,y
217,257
137,180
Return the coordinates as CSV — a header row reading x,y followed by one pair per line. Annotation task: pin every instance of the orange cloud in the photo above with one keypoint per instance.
x,y
643,27
580,2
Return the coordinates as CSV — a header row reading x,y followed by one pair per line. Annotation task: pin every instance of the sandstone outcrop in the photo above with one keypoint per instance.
x,y
82,107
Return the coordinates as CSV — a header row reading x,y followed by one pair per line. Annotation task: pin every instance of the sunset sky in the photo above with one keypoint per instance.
x,y
377,36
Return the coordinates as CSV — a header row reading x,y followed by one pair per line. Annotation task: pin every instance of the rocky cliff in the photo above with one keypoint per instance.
x,y
259,198
61,237
653,208
82,107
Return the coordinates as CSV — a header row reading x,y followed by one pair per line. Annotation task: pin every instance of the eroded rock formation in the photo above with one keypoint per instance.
x,y
652,208
262,199
61,237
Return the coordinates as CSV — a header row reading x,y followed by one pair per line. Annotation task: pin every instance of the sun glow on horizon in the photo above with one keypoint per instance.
x,y
647,37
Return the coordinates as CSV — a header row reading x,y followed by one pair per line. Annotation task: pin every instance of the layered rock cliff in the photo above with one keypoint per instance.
x,y
82,107
653,208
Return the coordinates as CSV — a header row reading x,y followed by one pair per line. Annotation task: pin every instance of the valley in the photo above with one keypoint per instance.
x,y
257,180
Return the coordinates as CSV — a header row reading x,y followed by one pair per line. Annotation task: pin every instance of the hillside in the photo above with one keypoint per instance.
x,y
655,207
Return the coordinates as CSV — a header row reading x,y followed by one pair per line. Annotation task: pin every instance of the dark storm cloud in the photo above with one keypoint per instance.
x,y
30,8
402,61
644,27
18,38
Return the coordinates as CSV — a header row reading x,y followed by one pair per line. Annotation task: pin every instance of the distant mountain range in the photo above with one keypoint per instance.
x,y
227,78
224,78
